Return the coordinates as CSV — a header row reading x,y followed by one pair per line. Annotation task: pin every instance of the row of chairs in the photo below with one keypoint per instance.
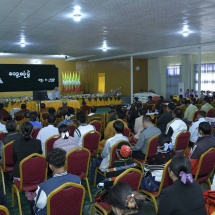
x,y
77,162
133,177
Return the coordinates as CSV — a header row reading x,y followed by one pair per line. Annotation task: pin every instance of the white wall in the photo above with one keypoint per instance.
x,y
157,70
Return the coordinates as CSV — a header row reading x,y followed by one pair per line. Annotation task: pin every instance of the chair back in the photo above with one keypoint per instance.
x,y
182,140
2,135
126,132
113,155
98,117
131,176
166,180
97,124
107,117
3,210
72,128
33,170
77,161
8,155
195,116
66,199
91,140
57,121
50,142
210,113
205,166
35,132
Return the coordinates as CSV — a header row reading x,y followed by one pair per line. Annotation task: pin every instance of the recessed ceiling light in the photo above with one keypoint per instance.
x,y
77,13
185,31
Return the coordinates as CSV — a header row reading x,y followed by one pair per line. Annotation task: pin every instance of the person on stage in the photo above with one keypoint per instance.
x,y
55,94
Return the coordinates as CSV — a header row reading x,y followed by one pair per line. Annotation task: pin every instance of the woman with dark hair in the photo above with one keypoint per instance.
x,y
24,147
65,142
185,196
124,200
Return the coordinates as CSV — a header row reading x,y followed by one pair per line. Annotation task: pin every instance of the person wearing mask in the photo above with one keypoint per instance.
x,y
23,147
184,196
175,126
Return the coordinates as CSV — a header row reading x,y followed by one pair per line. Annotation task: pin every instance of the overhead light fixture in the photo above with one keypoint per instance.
x,y
77,13
104,46
185,31
22,42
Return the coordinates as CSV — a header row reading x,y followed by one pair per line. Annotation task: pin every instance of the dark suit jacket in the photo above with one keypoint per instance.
x,y
23,148
164,120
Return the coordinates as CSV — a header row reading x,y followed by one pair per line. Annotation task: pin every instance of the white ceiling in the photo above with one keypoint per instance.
x,y
129,26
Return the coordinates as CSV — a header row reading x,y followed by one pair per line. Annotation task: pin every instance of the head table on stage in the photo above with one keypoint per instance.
x,y
33,105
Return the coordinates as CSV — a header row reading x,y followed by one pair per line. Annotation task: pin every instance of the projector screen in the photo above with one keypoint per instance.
x,y
27,77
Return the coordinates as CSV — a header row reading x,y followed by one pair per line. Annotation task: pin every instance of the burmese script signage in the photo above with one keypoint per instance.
x,y
27,77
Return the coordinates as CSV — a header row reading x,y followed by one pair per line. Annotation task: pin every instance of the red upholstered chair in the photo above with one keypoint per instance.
x,y
72,128
33,171
35,132
97,124
77,162
8,164
205,166
151,149
126,132
210,113
182,141
195,116
132,177
90,141
66,199
2,135
3,210
165,182
113,157
50,142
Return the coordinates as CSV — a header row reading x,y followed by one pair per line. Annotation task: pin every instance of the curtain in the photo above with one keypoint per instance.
x,y
207,76
173,77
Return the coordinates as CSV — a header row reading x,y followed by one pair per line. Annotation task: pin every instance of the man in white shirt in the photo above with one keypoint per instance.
x,y
47,131
2,126
118,128
83,128
194,128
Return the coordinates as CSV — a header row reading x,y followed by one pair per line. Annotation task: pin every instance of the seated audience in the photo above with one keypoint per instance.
x,y
51,111
66,120
133,115
48,131
189,112
175,126
165,118
139,150
10,136
65,141
184,196
92,110
133,105
150,101
206,106
138,126
56,159
2,126
22,111
43,108
113,117
125,161
151,181
111,109
204,143
34,119
118,127
83,127
62,110
71,111
3,112
24,147
124,200
84,108
194,132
